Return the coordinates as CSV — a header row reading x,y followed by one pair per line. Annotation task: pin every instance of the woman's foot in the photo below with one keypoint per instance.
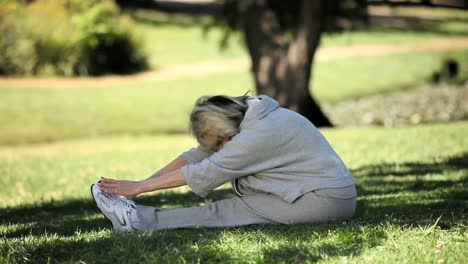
x,y
116,209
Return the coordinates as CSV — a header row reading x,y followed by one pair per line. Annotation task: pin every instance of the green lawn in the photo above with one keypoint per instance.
x,y
171,45
412,204
35,115
179,39
175,45
342,79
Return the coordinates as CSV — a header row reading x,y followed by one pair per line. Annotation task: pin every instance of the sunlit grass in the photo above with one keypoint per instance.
x,y
35,115
81,162
411,185
171,45
341,79
49,114
41,172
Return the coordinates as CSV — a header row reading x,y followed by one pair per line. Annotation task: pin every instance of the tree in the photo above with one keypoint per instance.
x,y
281,37
282,67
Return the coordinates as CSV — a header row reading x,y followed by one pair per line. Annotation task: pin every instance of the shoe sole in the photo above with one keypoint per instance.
x,y
95,203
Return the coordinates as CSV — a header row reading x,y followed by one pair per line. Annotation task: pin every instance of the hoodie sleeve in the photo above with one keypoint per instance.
x,y
245,154
195,155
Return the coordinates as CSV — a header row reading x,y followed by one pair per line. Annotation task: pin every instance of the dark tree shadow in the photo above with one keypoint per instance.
x,y
160,247
413,168
390,178
154,247
394,186
65,217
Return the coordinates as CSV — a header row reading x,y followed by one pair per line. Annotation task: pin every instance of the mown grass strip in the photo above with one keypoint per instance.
x,y
38,115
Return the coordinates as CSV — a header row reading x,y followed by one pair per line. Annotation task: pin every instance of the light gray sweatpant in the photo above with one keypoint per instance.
x,y
324,205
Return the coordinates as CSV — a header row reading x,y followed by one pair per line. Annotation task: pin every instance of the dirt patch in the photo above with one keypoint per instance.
x,y
423,105
199,69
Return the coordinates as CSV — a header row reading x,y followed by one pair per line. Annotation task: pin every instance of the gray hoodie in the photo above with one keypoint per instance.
x,y
277,151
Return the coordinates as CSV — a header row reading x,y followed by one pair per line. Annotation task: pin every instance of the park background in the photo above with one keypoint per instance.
x,y
400,125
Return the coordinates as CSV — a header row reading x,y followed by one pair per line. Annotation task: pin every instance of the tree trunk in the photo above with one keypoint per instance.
x,y
282,68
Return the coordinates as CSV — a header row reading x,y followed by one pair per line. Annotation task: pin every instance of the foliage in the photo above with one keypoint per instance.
x,y
412,205
67,37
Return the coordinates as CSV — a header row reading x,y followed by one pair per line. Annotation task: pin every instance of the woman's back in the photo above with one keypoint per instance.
x,y
276,151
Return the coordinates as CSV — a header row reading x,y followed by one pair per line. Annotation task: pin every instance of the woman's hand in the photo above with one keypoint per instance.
x,y
120,187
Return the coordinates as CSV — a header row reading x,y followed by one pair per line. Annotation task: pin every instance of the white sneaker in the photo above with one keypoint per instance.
x,y
116,209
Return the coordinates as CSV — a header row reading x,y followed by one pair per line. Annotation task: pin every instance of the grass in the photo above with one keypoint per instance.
x,y
412,204
342,79
171,45
36,115
179,39
175,45
32,115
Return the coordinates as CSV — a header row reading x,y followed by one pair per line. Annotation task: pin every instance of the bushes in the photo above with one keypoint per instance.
x,y
67,37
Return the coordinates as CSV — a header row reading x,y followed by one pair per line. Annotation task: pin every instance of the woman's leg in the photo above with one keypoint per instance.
x,y
223,213
313,207
326,205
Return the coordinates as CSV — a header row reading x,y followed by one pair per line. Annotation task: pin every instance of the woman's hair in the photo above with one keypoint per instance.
x,y
215,119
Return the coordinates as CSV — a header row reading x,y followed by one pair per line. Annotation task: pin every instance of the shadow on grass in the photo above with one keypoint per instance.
x,y
410,193
66,217
161,247
424,202
415,24
158,19
205,245
65,221
413,168
349,242
394,178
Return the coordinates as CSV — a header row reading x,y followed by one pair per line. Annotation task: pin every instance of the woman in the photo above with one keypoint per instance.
x,y
282,169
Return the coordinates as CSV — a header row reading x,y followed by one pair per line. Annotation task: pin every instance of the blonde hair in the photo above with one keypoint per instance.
x,y
215,119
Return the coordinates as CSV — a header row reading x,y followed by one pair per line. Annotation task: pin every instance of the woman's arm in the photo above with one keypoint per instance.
x,y
152,183
168,180
193,155
173,165
161,179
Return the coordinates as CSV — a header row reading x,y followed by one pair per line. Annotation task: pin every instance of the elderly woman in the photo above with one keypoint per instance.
x,y
282,170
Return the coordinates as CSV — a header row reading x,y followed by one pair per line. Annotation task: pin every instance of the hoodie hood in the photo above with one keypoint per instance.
x,y
259,107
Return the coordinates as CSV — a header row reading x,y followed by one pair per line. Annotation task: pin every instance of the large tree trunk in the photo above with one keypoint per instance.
x,y
282,68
